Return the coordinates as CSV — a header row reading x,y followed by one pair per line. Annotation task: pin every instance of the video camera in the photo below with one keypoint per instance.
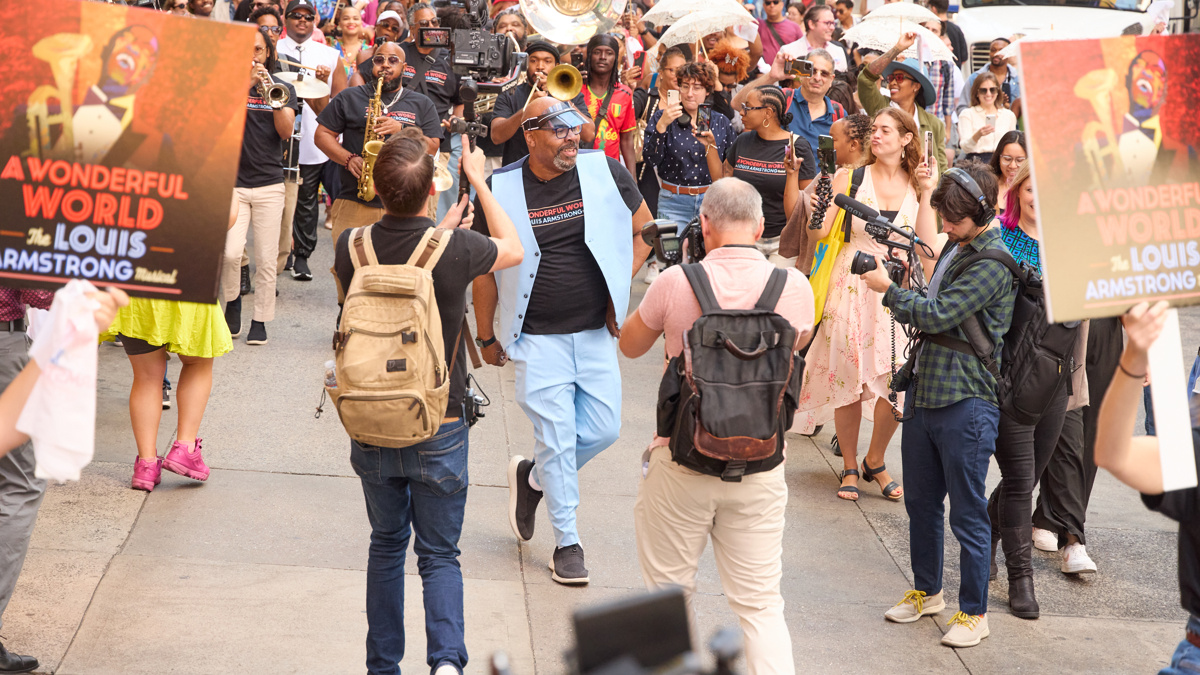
x,y
881,229
672,247
475,52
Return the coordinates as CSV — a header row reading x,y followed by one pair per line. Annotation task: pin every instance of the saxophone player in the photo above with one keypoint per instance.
x,y
347,114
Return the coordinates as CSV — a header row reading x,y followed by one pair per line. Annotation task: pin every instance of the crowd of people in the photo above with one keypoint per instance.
x,y
719,132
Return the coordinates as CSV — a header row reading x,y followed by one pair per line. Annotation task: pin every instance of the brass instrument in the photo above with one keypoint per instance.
x,y
372,144
62,51
273,93
572,22
563,82
486,103
1099,137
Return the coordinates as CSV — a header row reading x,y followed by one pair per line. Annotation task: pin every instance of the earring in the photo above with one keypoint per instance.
x,y
766,123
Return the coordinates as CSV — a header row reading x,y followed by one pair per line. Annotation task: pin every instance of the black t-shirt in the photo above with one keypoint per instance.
x,y
346,114
510,103
431,75
760,163
262,148
468,256
569,294
1183,506
958,43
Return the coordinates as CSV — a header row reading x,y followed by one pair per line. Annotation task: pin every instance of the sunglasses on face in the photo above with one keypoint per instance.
x,y
772,2
899,78
987,90
381,59
300,16
273,30
562,132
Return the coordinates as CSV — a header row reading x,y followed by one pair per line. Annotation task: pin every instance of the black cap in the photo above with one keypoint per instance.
x,y
301,4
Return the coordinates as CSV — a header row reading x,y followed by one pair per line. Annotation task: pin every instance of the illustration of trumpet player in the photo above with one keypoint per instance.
x,y
388,106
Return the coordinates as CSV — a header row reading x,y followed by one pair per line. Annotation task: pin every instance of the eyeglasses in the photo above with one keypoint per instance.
x,y
827,24
300,16
380,59
748,108
259,50
1009,159
899,78
273,30
821,73
988,90
562,132
429,23
691,87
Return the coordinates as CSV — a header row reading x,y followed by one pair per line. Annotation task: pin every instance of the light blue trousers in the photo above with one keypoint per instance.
x,y
570,387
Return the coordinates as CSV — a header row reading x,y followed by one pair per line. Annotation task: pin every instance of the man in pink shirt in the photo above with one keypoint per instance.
x,y
776,30
679,509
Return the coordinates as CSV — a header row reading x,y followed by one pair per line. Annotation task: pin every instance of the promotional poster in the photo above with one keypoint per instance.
x,y
119,148
1112,135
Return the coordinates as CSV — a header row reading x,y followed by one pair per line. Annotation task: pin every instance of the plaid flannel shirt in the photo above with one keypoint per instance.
x,y
943,85
945,376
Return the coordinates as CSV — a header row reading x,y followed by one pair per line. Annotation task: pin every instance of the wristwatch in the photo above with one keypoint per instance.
x,y
484,344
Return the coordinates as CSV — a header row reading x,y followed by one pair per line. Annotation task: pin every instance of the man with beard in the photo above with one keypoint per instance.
x,y
1006,75
346,115
389,28
511,111
298,46
560,310
609,102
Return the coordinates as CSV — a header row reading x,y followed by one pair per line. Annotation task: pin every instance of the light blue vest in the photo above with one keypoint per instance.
x,y
608,231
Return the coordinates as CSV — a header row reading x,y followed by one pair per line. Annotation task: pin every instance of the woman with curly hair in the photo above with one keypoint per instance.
x,y
850,362
778,163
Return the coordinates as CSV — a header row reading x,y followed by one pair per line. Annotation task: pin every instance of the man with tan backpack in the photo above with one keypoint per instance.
x,y
400,386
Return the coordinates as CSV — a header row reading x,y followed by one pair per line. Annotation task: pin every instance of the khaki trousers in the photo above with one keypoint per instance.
x,y
678,510
259,208
291,188
348,214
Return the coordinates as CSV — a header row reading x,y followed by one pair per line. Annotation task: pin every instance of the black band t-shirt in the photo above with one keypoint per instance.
x,y
468,255
346,114
760,163
431,75
511,103
261,163
569,293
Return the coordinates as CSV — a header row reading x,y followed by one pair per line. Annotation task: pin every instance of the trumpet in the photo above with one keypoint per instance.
x,y
275,94
563,82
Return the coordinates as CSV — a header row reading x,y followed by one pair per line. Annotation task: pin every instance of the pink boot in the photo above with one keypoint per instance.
x,y
186,463
146,474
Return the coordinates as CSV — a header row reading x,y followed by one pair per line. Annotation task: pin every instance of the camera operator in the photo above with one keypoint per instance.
x,y
950,438
426,483
679,509
511,111
559,312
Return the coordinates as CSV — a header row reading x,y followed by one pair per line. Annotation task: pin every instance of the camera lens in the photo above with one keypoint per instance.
x,y
862,263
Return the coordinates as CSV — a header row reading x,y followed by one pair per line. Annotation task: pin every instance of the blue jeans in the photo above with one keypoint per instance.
x,y
946,450
679,208
423,486
1186,658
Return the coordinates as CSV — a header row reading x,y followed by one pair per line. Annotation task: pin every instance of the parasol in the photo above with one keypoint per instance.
x,y
883,32
698,24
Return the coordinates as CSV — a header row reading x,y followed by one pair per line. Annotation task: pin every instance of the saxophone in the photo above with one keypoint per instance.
x,y
371,146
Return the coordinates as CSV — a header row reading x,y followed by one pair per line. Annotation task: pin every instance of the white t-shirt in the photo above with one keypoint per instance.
x,y
800,49
312,54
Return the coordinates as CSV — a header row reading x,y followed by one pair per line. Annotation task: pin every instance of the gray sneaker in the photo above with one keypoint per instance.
x,y
522,499
566,567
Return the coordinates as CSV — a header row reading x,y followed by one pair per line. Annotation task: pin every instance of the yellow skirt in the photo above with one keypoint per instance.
x,y
187,328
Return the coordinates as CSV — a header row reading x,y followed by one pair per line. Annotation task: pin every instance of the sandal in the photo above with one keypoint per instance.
x,y
890,490
849,489
835,446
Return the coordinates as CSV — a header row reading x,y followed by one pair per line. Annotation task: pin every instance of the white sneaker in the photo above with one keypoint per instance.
x,y
1045,540
966,630
651,272
1075,560
914,606
446,669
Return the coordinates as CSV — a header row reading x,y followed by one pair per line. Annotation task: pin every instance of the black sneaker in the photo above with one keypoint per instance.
x,y
166,404
566,567
522,499
257,334
287,266
246,280
300,271
233,316
15,663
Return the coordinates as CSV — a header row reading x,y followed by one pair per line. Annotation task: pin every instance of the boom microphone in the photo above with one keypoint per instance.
x,y
863,212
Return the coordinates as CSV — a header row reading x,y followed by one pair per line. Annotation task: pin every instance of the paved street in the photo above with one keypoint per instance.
x,y
262,568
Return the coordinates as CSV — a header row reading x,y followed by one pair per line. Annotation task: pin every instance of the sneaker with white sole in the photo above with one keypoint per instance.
x,y
651,272
1045,540
966,630
914,606
1075,560
566,566
522,498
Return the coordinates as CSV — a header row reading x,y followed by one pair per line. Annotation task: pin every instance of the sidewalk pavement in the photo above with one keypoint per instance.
x,y
262,568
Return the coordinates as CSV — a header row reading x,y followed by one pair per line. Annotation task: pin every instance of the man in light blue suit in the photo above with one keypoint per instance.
x,y
579,216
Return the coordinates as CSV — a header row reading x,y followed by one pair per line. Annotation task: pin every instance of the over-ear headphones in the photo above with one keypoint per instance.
x,y
986,213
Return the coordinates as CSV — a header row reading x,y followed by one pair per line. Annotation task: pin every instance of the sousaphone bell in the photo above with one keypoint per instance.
x,y
572,22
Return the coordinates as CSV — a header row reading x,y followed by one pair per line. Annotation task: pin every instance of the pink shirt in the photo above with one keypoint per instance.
x,y
738,276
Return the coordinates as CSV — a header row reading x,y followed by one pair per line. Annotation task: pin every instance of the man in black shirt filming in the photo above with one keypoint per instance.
x,y
560,312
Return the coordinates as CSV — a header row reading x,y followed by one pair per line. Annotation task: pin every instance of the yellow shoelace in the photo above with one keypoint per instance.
x,y
965,619
915,598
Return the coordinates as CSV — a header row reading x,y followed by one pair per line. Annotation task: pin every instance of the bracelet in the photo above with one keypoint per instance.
x,y
352,156
1123,370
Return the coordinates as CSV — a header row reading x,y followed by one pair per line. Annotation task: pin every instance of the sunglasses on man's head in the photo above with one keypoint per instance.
x,y
381,59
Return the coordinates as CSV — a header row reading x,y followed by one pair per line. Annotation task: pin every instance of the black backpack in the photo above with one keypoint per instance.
x,y
728,399
1037,357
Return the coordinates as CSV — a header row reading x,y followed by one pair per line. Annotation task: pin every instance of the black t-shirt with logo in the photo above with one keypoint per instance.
x,y
760,163
262,148
431,75
346,114
510,103
468,256
569,293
